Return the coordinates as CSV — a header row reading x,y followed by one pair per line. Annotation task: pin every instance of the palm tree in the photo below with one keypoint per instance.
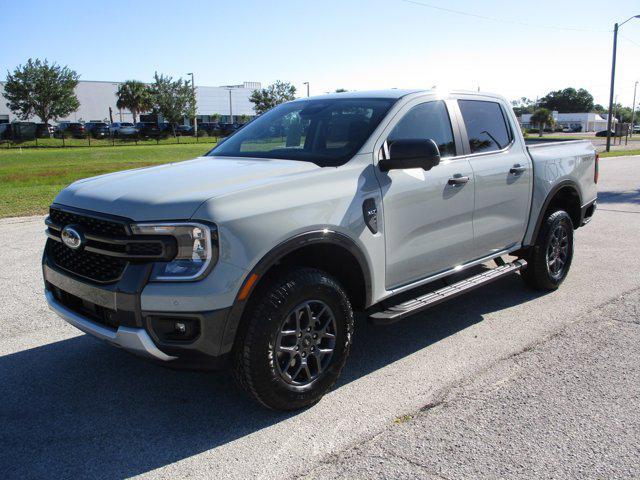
x,y
135,97
542,117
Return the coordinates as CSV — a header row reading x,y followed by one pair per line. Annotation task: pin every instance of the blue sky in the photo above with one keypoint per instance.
x,y
334,44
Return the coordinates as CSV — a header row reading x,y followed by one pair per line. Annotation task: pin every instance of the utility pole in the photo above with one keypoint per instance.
x,y
613,78
230,108
195,112
307,84
633,108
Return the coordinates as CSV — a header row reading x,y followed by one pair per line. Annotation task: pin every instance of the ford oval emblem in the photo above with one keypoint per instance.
x,y
71,237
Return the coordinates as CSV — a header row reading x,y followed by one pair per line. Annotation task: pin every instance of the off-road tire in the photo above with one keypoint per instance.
x,y
255,366
538,274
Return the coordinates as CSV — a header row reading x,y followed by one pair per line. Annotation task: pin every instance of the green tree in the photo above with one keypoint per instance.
x,y
523,105
623,114
135,97
243,118
173,99
275,94
568,100
542,117
41,89
597,108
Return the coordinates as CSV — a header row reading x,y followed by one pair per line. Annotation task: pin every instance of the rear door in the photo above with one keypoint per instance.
x,y
502,172
427,215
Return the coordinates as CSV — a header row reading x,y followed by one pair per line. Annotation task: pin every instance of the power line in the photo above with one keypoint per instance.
x,y
500,20
629,40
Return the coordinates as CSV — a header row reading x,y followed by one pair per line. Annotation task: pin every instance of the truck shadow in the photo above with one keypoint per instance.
x,y
629,196
77,408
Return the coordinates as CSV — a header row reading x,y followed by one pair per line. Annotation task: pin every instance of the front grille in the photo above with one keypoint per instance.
x,y
96,226
109,246
104,316
145,249
93,266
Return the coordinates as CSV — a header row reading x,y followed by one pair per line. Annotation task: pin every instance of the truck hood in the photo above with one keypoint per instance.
x,y
174,191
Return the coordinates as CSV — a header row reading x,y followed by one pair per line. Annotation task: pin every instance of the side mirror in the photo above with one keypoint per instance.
x,y
411,153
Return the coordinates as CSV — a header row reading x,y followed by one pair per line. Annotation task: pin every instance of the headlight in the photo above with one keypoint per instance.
x,y
197,250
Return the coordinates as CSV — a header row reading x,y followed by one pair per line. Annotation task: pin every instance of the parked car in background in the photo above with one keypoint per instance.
x,y
43,130
148,130
212,128
184,130
167,129
636,129
97,129
18,131
603,133
70,129
227,129
115,128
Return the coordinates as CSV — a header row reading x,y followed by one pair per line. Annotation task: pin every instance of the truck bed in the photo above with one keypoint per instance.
x,y
555,163
537,141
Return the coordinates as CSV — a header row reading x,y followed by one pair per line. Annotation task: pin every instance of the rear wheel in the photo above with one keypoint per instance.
x,y
549,260
295,341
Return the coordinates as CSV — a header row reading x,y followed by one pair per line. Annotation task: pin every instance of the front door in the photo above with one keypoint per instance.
x,y
427,215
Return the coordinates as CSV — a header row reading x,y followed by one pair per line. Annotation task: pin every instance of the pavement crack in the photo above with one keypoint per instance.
x,y
431,405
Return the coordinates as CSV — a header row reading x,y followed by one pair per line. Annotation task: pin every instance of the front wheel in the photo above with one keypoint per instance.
x,y
295,341
549,260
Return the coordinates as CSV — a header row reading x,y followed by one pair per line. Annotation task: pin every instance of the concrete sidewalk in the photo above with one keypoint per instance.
x,y
565,407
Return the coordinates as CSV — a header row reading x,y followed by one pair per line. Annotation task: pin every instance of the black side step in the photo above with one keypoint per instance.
x,y
398,312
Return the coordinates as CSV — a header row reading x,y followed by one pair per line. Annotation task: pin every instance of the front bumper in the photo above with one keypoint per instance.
x,y
135,340
113,313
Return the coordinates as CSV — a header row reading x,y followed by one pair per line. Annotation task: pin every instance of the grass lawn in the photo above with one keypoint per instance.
x,y
30,178
619,153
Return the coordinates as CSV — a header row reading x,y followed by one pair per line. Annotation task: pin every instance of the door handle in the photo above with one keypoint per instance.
x,y
517,169
458,179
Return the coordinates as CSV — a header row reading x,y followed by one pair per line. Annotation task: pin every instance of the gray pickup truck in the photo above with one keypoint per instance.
x,y
257,254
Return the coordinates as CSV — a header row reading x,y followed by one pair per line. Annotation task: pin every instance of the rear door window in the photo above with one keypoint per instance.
x,y
486,125
427,121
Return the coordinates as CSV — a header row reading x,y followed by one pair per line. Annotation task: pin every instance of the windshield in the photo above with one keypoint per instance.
x,y
325,132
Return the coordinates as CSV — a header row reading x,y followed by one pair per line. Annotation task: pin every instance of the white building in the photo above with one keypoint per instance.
x,y
96,97
589,122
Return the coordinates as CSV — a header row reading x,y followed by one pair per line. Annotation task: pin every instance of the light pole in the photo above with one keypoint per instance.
x,y
613,77
633,107
230,109
195,112
307,84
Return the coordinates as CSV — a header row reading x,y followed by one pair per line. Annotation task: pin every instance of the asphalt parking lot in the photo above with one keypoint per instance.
x,y
73,407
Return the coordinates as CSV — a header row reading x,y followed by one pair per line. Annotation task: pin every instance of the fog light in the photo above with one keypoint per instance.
x,y
175,329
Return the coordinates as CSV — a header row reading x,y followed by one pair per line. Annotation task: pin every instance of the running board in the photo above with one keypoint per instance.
x,y
398,312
